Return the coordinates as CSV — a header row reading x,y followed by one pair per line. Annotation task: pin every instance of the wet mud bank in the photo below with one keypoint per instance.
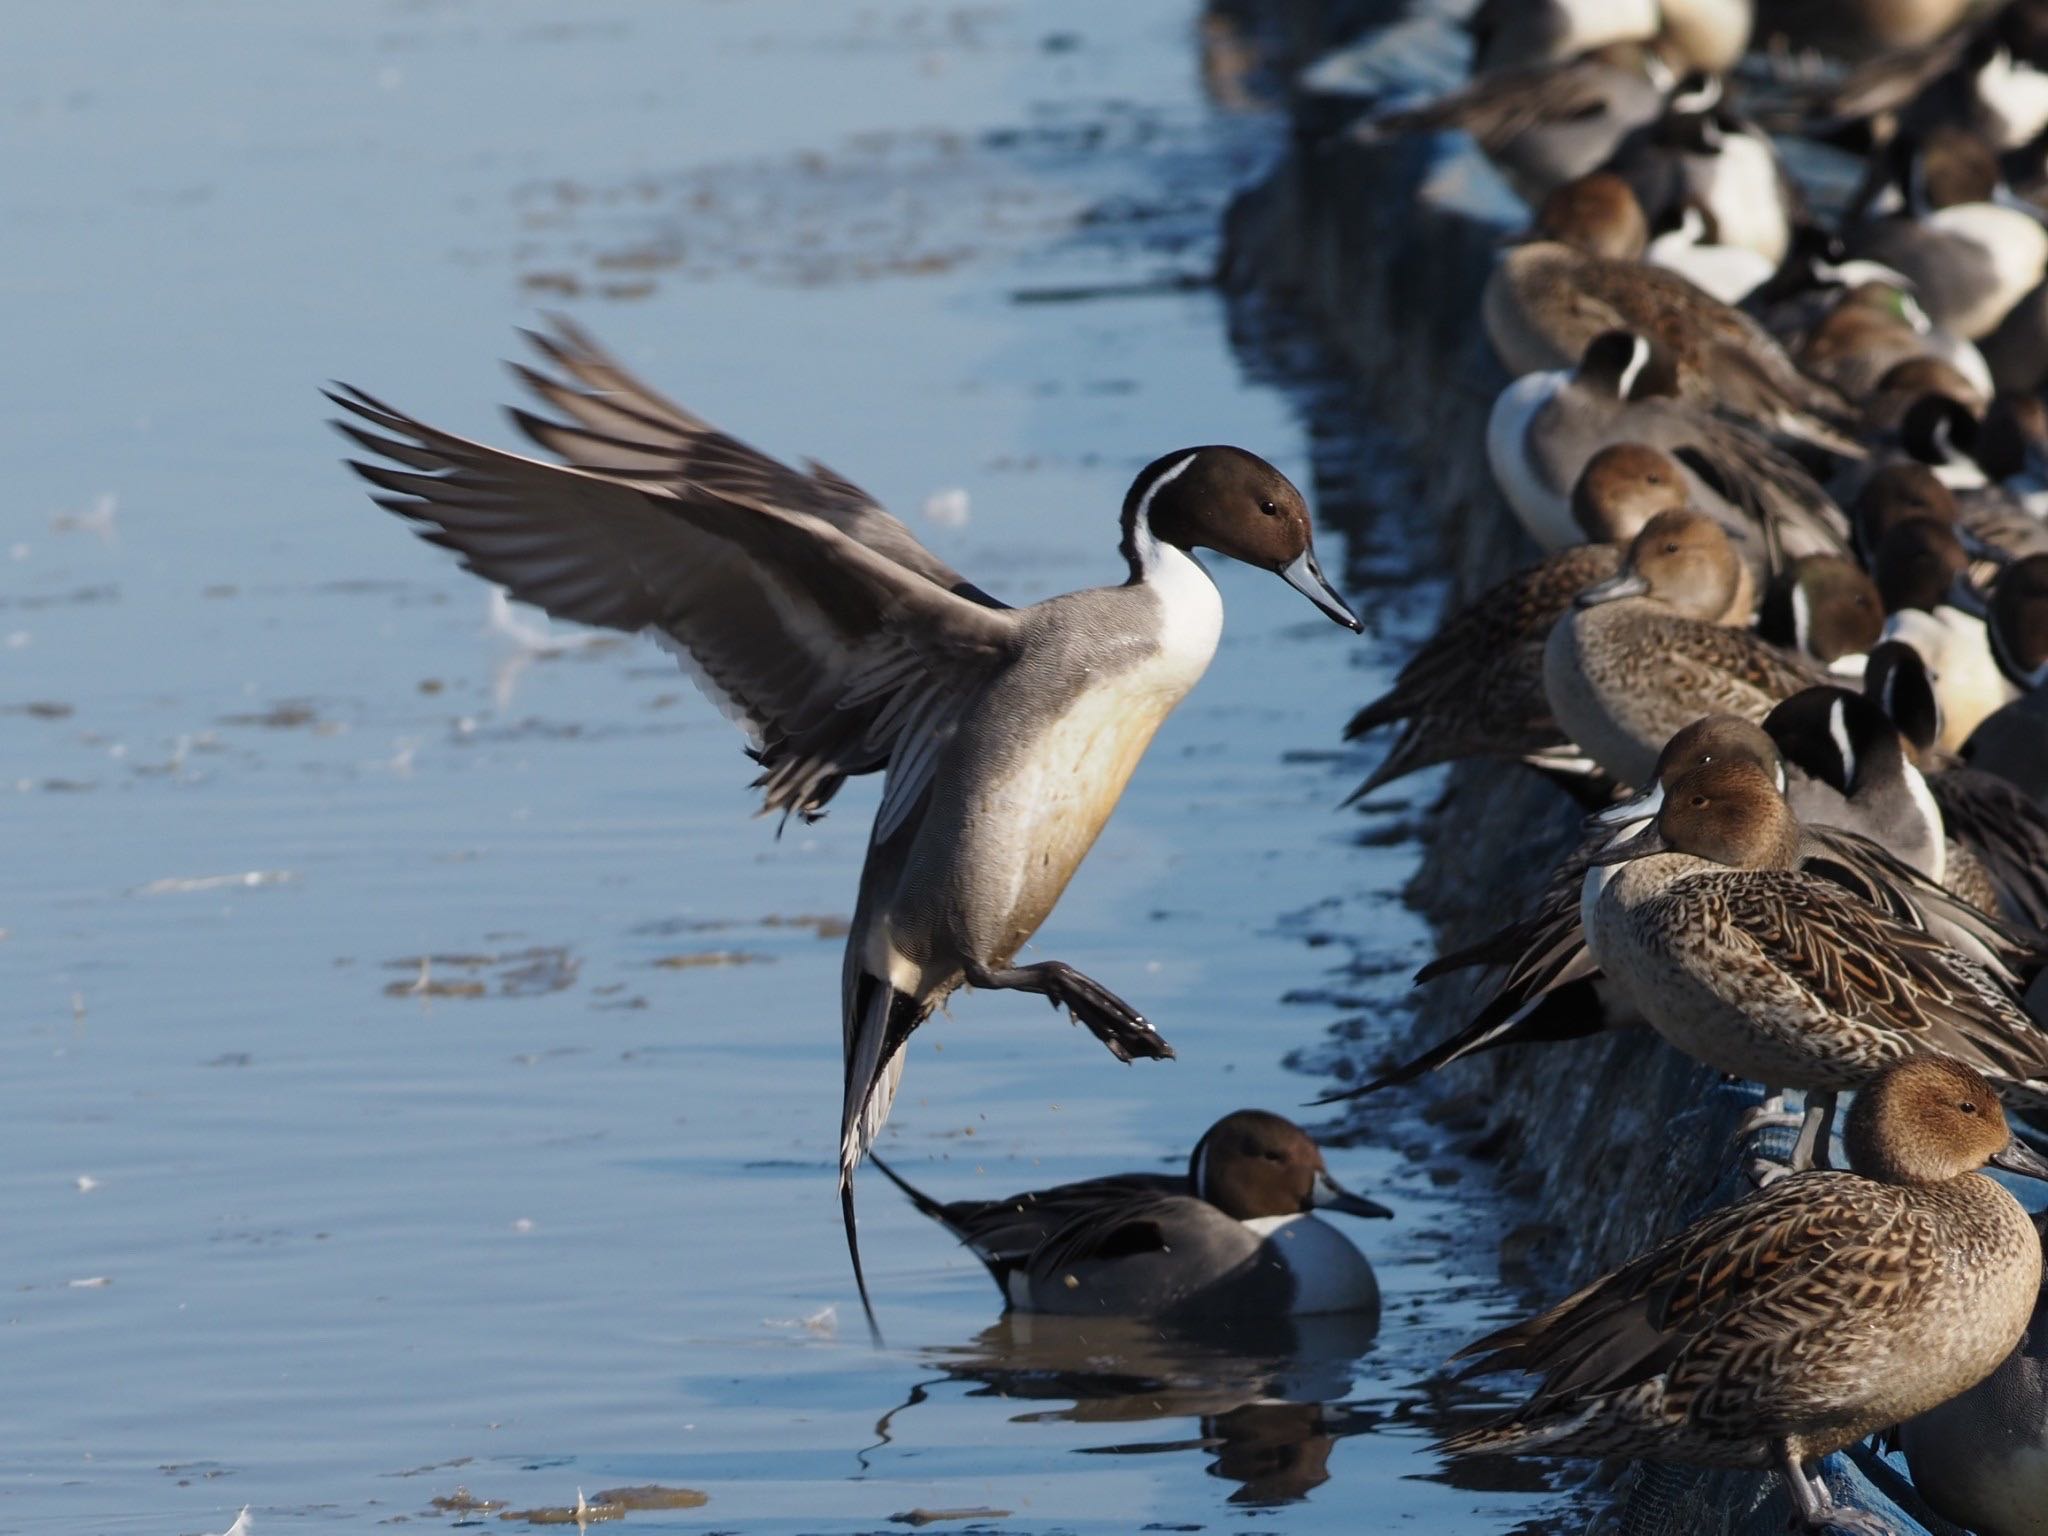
x,y
1382,250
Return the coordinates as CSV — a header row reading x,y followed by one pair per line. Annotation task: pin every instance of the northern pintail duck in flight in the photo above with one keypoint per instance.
x,y
1768,972
1791,1324
841,646
1475,688
1578,277
1640,657
1545,427
1981,1458
1237,1236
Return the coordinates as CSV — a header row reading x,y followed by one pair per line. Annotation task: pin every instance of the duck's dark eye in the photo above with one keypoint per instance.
x,y
1699,802
1968,1106
1269,508
1671,548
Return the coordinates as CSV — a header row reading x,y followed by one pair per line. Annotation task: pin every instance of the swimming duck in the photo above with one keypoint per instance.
x,y
1545,427
1475,688
1639,657
1576,277
1981,1459
1551,988
1794,1322
1761,970
842,646
1239,1234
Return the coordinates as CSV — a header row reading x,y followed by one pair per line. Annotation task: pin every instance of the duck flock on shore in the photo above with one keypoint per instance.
x,y
1787,645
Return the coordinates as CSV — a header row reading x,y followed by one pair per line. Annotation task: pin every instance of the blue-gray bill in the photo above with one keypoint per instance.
x,y
1305,574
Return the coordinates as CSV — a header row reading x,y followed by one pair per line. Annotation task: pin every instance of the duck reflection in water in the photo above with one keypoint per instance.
x,y
1265,1395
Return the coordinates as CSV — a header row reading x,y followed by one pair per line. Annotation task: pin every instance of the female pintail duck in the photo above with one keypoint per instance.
x,y
1791,1324
1550,987
842,646
1767,972
1238,1235
1475,688
1577,276
1997,835
1875,328
1639,657
1545,427
1981,1459
1544,124
1823,606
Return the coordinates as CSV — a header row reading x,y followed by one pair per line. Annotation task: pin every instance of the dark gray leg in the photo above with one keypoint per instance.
x,y
1109,1018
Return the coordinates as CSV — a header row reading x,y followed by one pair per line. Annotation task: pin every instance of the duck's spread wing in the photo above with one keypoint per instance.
x,y
618,425
834,658
1739,1280
1868,971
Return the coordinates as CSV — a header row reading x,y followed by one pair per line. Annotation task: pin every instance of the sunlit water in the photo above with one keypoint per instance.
x,y
417,1072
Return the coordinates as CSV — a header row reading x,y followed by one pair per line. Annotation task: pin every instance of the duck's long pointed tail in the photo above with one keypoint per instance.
x,y
879,1021
853,1252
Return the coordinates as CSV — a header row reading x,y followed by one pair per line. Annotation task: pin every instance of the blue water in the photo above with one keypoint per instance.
x,y
301,1220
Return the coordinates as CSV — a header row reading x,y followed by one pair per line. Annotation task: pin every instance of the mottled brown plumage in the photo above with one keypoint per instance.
x,y
1795,1322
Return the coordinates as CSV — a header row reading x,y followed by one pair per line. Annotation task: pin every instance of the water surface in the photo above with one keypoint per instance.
x,y
417,1072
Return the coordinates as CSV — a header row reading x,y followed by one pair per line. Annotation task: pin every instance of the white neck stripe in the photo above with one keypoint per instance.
x,y
1143,540
1638,360
1838,727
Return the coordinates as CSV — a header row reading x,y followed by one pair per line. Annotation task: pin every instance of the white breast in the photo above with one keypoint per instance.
x,y
2017,98
1729,272
1740,189
1330,1274
1543,509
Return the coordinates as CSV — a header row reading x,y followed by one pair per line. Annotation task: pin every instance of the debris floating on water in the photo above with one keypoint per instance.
x,y
249,880
934,1516
949,508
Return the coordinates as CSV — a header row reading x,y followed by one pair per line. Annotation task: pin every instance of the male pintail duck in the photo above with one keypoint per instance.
x,y
1791,1324
1762,970
1512,34
1545,427
1969,255
2012,742
1981,1459
1550,987
1703,155
1688,241
1824,606
1475,688
1847,767
1578,276
1237,1236
1640,656
1994,829
842,646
